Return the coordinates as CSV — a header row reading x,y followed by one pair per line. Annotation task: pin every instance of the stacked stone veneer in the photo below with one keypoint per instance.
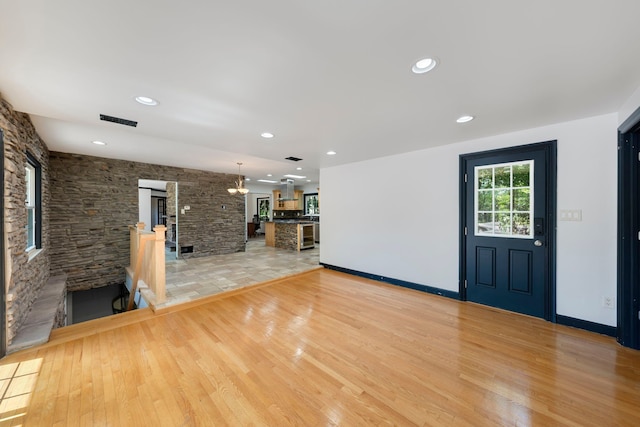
x,y
24,277
94,200
286,235
171,209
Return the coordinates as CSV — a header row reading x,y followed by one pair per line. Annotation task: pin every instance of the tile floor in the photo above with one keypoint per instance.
x,y
199,277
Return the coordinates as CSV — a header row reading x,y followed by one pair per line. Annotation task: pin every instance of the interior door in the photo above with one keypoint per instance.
x,y
508,197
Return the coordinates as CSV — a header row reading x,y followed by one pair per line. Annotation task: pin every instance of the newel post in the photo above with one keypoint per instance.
x,y
134,244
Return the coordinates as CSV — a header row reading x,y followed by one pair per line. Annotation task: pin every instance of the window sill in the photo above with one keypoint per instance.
x,y
33,253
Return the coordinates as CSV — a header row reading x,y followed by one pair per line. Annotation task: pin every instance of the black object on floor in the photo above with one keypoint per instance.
x,y
119,303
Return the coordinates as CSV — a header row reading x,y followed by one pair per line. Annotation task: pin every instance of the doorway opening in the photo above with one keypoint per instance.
x,y
158,205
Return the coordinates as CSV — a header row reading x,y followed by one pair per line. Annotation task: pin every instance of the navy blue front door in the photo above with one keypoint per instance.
x,y
507,232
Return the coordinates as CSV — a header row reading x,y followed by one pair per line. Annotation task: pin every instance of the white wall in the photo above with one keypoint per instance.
x,y
252,203
144,207
259,190
310,187
397,216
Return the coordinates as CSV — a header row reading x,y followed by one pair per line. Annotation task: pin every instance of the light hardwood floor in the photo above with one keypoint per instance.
x,y
322,348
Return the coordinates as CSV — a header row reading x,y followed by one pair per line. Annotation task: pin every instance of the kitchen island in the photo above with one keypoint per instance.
x,y
290,234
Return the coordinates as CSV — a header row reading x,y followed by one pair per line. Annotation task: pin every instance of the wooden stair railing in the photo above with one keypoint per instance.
x,y
147,261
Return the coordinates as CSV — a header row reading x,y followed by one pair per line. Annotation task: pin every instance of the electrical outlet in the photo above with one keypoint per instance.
x,y
607,302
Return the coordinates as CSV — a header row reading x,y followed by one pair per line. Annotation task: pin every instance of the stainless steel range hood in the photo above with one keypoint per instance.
x,y
286,192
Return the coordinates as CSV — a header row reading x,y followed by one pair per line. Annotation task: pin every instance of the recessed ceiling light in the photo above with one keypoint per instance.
x,y
464,119
269,174
424,65
298,169
268,181
308,180
99,142
247,179
331,153
145,100
266,135
294,176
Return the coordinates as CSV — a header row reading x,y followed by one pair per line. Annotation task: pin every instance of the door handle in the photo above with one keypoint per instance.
x,y
538,243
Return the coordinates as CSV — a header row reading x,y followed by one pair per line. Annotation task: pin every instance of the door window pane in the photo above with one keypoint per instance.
x,y
504,200
503,177
484,222
485,200
521,175
521,224
485,179
521,199
503,223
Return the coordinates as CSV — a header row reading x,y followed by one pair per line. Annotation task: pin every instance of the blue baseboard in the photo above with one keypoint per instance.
x,y
585,324
397,282
561,320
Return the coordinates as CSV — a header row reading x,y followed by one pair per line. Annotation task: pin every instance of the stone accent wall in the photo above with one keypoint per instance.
x,y
171,210
216,222
23,278
94,200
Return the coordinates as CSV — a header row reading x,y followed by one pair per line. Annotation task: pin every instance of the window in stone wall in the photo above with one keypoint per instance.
x,y
33,203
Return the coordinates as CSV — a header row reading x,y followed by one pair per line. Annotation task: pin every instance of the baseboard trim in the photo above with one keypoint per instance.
x,y
396,282
598,328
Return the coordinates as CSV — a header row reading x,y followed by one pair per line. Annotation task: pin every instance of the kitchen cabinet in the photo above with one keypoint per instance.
x,y
299,203
288,205
277,203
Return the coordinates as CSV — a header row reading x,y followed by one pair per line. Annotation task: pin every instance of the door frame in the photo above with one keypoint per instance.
x,y
628,277
550,150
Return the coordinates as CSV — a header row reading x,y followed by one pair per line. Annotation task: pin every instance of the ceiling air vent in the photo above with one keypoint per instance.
x,y
293,159
118,120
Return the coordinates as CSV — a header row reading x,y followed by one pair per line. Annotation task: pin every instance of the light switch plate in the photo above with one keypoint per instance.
x,y
570,215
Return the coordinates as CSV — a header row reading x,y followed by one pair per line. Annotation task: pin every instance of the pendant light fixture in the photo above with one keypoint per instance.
x,y
239,184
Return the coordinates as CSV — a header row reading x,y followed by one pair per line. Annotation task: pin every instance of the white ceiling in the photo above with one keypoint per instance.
x,y
321,75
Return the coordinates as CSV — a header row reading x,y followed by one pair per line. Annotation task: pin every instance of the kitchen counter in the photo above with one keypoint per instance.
x,y
290,234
